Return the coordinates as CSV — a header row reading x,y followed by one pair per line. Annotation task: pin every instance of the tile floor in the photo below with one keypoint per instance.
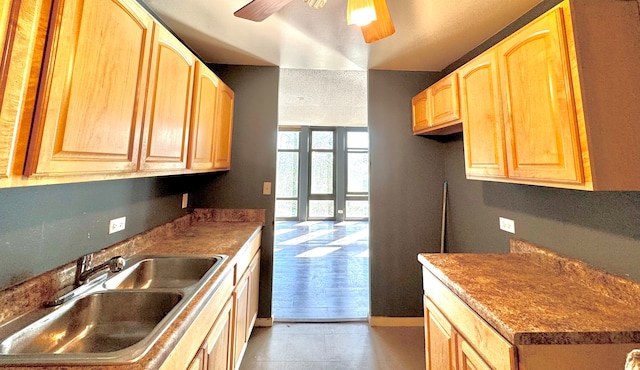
x,y
321,271
335,346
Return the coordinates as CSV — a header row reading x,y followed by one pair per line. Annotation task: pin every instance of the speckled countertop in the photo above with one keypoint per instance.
x,y
204,232
534,296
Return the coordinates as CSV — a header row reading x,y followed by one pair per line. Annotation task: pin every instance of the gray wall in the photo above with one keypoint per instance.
x,y
253,157
600,228
406,182
43,227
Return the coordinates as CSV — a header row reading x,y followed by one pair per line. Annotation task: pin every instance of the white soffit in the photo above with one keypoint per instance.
x,y
322,98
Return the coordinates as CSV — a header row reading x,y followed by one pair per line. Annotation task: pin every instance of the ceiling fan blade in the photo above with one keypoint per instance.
x,y
380,28
259,10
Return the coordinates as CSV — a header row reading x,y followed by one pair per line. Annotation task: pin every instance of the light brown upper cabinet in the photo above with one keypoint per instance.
x,y
444,101
482,117
436,110
165,142
203,117
569,99
6,132
223,128
420,112
541,127
22,29
92,92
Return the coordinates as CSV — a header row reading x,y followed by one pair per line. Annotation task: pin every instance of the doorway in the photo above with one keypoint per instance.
x,y
321,255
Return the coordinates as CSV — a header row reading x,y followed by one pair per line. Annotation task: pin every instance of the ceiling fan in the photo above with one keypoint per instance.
x,y
371,15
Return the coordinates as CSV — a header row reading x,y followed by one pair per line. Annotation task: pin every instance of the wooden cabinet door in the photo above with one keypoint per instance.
x,y
218,344
198,361
439,339
203,118
468,358
8,10
167,122
444,101
254,292
482,123
91,99
224,128
241,304
540,121
420,112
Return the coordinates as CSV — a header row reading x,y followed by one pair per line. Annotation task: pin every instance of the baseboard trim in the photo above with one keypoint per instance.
x,y
264,322
395,321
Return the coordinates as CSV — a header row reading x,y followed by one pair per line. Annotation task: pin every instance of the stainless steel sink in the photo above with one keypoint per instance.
x,y
109,321
100,322
163,272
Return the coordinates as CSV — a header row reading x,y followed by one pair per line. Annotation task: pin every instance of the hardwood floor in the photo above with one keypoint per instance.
x,y
321,271
335,346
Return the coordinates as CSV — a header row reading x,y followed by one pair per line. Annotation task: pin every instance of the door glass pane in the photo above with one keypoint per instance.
x,y
321,173
287,175
357,140
288,139
320,208
357,173
322,140
357,209
286,208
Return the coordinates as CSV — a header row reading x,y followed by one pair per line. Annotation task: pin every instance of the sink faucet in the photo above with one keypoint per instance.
x,y
84,269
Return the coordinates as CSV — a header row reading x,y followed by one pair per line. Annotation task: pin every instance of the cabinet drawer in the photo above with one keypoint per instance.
x,y
494,349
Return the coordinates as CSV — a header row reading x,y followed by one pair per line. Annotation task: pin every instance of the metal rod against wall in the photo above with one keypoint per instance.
x,y
444,217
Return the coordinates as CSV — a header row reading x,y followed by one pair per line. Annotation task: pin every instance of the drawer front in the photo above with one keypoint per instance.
x,y
488,343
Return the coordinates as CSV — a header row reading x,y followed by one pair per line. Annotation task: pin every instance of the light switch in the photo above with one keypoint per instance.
x,y
266,188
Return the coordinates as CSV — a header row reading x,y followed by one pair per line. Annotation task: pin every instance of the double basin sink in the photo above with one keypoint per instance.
x,y
114,318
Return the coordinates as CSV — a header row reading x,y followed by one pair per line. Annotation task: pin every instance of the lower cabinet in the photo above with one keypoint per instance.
x,y
439,335
218,336
445,348
246,307
198,361
456,338
468,358
218,344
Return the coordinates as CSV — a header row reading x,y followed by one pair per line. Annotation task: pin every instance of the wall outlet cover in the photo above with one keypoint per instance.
x,y
185,200
117,224
507,225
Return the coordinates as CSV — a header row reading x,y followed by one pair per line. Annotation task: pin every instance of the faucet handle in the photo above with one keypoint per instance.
x,y
116,264
85,261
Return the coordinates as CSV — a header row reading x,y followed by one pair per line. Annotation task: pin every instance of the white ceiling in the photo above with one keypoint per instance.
x,y
430,34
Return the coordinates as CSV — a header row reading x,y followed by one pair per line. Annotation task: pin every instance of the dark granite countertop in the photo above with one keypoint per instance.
x,y
534,296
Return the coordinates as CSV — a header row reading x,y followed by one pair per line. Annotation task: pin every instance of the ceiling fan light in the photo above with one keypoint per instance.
x,y
360,12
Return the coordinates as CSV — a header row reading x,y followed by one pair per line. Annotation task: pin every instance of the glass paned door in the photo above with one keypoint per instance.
x,y
322,197
287,175
357,195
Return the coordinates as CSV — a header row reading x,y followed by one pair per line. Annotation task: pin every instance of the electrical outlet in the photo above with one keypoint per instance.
x,y
117,224
185,200
507,225
266,188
